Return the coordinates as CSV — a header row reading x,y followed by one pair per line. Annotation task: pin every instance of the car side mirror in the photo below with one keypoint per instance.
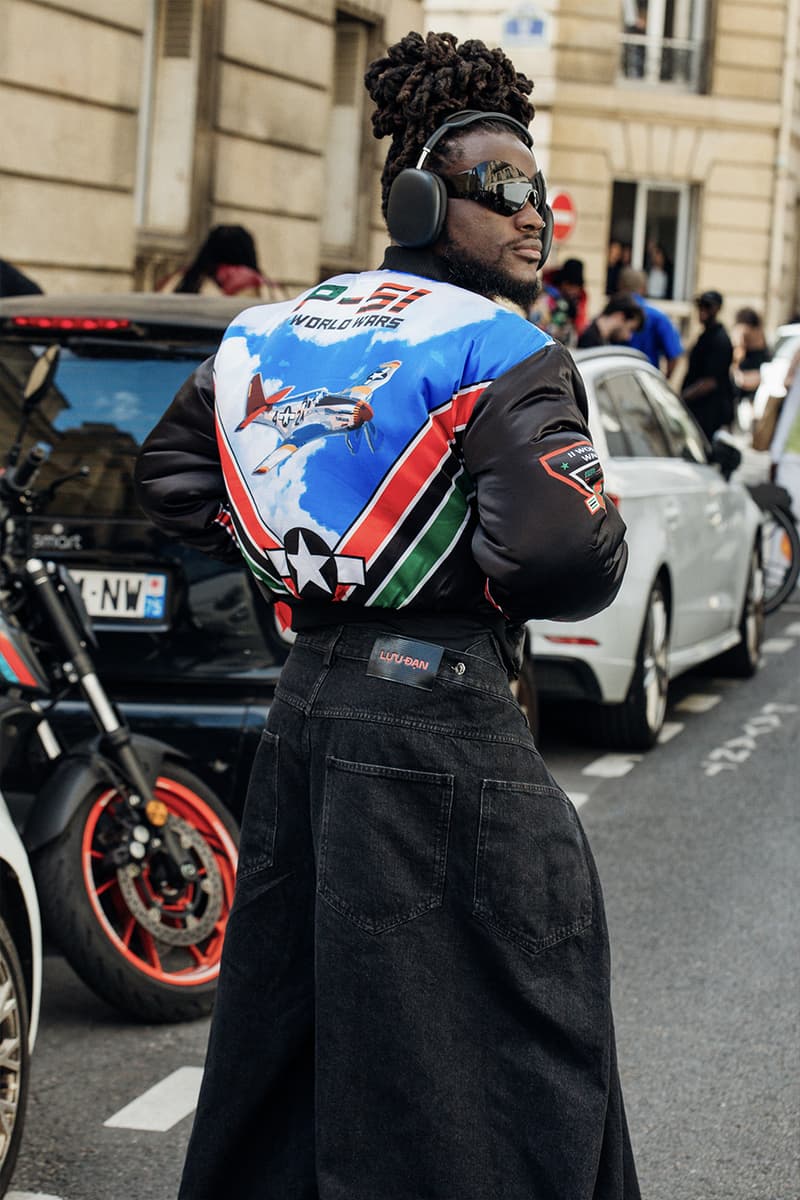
x,y
40,378
725,454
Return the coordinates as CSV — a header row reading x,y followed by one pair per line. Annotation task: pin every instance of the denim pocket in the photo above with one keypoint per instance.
x,y
260,819
532,882
383,842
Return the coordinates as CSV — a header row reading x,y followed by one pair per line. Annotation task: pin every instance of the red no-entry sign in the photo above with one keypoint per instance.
x,y
563,216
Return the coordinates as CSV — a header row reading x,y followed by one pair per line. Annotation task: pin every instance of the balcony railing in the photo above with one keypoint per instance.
x,y
674,61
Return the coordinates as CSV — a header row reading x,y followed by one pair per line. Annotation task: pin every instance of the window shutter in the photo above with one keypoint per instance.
x,y
178,20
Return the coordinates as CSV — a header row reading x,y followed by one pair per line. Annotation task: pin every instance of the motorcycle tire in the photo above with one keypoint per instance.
x,y
14,1059
150,948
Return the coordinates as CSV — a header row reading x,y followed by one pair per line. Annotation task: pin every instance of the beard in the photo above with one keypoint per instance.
x,y
484,278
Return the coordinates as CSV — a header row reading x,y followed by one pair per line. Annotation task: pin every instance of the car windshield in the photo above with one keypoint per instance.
x,y
103,402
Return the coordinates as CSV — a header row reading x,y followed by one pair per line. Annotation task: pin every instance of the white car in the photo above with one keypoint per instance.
x,y
773,373
694,585
20,988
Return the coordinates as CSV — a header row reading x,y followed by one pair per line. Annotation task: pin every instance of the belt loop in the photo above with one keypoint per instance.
x,y
327,660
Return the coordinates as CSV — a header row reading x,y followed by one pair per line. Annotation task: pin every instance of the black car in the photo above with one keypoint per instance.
x,y
188,648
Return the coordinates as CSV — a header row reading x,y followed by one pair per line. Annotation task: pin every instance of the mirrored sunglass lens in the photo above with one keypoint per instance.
x,y
514,193
499,186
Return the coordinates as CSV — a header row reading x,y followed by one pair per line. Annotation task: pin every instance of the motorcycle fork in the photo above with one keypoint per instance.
x,y
78,667
46,734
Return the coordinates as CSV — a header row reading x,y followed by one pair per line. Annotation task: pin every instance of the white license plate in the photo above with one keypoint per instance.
x,y
123,595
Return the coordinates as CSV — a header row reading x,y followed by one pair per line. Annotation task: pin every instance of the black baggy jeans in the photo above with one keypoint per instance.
x,y
414,996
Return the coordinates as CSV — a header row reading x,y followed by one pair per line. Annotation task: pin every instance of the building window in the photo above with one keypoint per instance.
x,y
653,223
343,219
663,42
168,116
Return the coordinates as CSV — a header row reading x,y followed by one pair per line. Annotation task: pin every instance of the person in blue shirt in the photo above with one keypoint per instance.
x,y
658,338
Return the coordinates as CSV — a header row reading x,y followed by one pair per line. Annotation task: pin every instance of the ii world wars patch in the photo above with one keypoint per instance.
x,y
404,661
579,467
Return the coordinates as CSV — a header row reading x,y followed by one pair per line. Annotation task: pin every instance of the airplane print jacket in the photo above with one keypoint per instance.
x,y
390,441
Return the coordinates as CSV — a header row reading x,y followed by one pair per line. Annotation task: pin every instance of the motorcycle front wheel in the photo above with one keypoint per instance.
x,y
145,940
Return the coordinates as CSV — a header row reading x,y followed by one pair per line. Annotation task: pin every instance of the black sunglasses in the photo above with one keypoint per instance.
x,y
498,186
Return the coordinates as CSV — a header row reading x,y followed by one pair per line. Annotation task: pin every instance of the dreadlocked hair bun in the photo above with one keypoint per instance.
x,y
422,80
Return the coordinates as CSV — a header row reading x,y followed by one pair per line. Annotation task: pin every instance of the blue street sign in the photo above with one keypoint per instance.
x,y
526,27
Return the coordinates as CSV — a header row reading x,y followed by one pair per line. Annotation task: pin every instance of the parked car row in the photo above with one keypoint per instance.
x,y
189,649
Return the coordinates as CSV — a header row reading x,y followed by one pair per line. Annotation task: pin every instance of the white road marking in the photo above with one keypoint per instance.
x,y
793,630
698,703
612,766
578,798
669,730
163,1105
777,645
30,1196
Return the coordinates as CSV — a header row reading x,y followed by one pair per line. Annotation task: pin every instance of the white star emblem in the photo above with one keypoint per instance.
x,y
306,566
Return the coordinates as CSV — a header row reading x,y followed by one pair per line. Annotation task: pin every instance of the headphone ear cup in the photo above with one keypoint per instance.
x,y
547,234
417,208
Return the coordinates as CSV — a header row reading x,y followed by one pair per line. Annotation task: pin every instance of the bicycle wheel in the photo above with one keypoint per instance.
x,y
780,544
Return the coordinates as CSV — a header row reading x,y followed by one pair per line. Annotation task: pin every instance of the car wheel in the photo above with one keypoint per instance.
x,y
636,723
14,1060
742,661
526,695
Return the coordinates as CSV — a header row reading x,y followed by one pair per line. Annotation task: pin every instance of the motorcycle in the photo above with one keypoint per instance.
x,y
134,857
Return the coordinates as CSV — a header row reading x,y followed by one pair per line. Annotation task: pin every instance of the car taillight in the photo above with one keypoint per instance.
x,y
571,641
69,324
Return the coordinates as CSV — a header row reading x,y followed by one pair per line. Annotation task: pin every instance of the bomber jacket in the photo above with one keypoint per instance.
x,y
388,441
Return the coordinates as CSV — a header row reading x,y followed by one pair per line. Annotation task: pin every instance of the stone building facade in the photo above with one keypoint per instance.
x,y
130,129
665,121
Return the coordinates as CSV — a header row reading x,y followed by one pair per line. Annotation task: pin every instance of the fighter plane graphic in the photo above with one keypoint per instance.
x,y
302,417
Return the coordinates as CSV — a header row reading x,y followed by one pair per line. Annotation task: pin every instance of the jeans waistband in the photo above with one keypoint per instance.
x,y
357,642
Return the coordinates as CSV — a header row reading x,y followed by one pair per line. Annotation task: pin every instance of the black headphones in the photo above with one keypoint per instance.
x,y
418,200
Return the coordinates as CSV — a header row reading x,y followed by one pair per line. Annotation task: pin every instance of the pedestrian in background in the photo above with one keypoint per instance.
x,y
659,272
614,264
617,323
750,352
658,338
562,309
415,990
225,265
707,387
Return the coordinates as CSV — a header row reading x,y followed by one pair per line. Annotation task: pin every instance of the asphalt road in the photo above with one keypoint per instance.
x,y
697,845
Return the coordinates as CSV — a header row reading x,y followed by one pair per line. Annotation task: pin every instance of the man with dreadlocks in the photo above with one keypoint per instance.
x,y
414,995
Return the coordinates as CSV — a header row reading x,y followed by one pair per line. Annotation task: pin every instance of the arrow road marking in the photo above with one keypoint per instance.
x,y
163,1105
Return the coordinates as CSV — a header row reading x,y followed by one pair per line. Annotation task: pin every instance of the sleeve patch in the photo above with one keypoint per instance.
x,y
578,466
